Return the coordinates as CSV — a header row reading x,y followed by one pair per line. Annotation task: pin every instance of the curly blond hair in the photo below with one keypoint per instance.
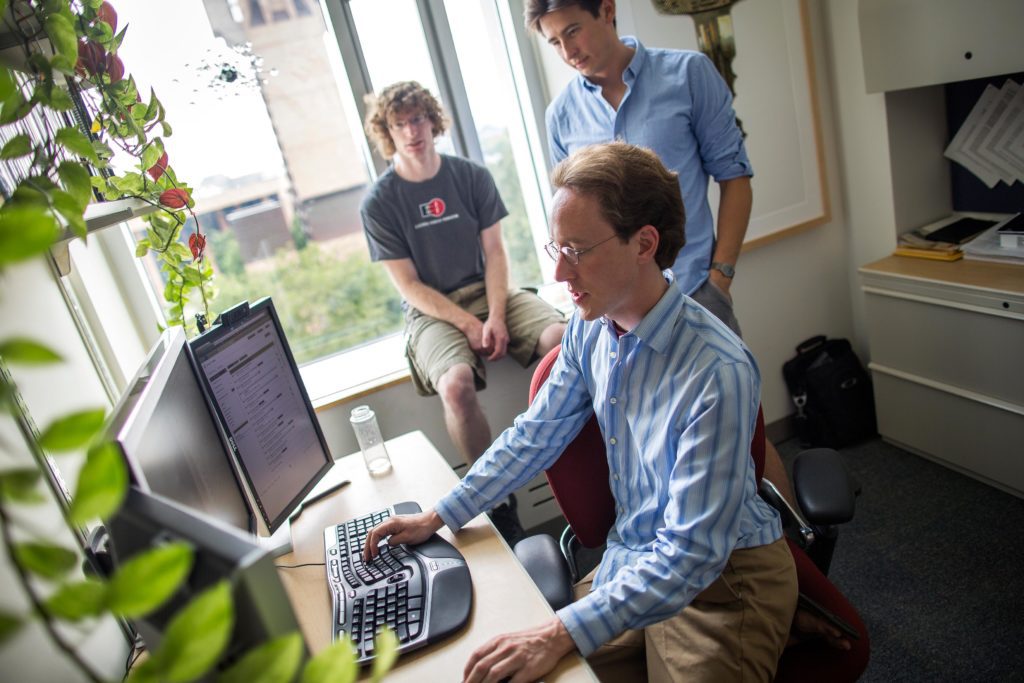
x,y
400,99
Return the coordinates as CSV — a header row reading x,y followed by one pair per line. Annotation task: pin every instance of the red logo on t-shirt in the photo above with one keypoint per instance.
x,y
435,207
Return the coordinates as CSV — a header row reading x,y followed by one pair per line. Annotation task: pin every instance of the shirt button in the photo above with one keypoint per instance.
x,y
612,441
614,354
613,400
615,476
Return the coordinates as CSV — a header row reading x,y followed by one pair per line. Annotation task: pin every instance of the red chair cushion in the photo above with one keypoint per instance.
x,y
579,478
815,660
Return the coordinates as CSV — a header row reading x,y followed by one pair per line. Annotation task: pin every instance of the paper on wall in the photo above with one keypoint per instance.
x,y
986,144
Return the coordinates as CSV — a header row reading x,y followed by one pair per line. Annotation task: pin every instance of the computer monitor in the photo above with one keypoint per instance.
x,y
262,609
254,387
171,441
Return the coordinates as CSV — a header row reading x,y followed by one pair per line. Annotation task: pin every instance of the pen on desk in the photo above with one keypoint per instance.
x,y
318,497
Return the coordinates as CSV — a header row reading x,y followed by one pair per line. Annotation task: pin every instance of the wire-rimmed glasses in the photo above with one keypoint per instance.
x,y
570,254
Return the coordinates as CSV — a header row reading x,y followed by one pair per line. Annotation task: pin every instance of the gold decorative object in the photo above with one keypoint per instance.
x,y
713,23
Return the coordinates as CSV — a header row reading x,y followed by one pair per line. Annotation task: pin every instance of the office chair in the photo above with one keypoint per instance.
x,y
579,482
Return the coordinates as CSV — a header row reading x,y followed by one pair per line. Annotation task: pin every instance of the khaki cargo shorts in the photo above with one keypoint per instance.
x,y
434,346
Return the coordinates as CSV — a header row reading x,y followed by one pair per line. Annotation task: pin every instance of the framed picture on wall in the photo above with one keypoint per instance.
x,y
775,98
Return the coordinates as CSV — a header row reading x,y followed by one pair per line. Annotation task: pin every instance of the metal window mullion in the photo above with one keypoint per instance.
x,y
441,46
358,74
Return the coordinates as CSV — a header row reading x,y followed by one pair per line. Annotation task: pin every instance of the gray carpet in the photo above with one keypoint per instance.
x,y
934,562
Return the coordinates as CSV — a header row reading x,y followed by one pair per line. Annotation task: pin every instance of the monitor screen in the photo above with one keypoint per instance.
x,y
251,378
262,609
171,441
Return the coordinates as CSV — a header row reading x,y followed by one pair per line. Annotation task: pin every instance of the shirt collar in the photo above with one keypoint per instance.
x,y
657,328
632,69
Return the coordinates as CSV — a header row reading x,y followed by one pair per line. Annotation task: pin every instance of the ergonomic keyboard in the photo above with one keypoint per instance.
x,y
422,592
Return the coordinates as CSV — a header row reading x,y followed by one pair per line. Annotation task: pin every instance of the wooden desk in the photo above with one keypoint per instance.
x,y
504,597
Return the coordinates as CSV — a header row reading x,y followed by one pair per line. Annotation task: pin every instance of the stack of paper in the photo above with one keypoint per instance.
x,y
942,240
990,143
988,247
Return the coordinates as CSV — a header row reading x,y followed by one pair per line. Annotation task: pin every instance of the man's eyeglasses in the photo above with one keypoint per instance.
x,y
414,122
570,254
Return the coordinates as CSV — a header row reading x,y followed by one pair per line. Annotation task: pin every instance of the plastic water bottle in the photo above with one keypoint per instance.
x,y
364,423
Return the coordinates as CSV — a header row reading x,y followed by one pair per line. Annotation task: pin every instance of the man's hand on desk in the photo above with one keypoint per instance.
x,y
520,657
411,529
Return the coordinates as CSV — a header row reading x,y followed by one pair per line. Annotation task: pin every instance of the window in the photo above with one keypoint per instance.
x,y
268,131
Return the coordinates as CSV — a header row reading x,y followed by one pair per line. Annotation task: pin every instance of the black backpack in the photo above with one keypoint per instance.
x,y
835,406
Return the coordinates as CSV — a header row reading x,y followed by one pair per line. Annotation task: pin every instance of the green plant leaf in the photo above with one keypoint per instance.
x,y
148,579
275,661
77,601
73,431
15,107
196,637
76,142
45,559
76,181
21,486
334,664
65,41
152,154
26,231
386,648
6,78
24,351
9,625
102,484
141,248
18,146
71,210
60,100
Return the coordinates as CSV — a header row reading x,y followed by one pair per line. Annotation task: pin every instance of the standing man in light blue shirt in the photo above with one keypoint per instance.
x,y
675,103
696,576
671,101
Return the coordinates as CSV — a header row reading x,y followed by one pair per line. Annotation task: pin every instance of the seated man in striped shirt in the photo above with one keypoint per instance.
x,y
696,581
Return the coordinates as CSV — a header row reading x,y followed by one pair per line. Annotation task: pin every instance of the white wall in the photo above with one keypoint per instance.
x,y
788,290
31,305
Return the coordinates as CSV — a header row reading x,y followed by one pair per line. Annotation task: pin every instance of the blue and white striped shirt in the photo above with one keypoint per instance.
x,y
677,105
676,399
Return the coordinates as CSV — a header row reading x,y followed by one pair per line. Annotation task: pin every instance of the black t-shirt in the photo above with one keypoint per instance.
x,y
436,223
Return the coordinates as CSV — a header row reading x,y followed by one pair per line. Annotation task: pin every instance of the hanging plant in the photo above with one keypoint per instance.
x,y
69,165
52,167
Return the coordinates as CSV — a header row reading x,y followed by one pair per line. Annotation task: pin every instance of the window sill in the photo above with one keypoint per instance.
x,y
356,372
376,365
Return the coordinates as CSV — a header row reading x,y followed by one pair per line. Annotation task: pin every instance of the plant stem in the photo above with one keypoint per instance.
x,y
37,604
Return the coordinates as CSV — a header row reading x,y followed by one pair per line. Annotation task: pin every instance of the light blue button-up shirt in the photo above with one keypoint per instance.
x,y
677,105
676,399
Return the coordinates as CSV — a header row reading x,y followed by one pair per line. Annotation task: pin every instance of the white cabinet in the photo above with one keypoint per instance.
x,y
912,43
947,362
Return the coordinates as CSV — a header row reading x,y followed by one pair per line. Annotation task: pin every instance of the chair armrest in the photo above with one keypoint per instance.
x,y
543,561
791,517
823,488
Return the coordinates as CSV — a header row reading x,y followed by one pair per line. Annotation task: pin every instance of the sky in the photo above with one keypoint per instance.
x,y
226,130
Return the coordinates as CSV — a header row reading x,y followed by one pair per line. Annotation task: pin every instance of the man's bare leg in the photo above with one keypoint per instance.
x,y
550,338
467,425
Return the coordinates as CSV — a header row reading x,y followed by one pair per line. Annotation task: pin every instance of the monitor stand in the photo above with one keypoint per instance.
x,y
277,544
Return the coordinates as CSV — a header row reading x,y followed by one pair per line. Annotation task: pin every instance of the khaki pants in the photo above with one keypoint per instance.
x,y
735,630
434,346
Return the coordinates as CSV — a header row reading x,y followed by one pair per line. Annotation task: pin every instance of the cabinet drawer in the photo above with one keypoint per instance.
x,y
970,436
979,352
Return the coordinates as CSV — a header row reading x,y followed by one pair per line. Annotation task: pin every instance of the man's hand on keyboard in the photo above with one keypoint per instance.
x,y
411,529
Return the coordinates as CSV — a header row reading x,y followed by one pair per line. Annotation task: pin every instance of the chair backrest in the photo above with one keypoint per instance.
x,y
579,478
